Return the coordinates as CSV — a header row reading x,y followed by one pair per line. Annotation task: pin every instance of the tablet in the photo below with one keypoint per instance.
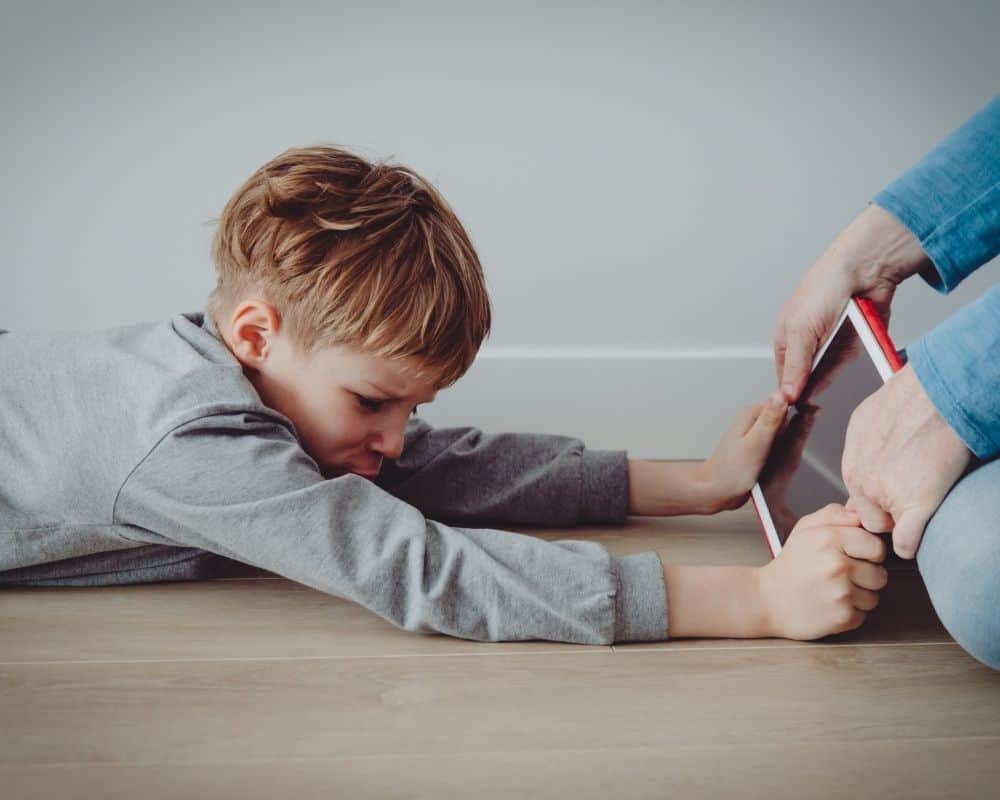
x,y
803,471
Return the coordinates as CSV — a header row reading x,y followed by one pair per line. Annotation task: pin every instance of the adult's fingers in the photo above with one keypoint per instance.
x,y
800,348
909,530
779,351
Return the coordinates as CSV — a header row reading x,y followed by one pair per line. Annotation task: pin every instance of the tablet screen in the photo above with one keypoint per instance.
x,y
802,473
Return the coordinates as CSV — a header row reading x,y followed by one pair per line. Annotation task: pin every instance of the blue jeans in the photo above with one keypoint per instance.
x,y
959,559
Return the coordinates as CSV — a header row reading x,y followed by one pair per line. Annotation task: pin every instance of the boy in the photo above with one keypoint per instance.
x,y
348,294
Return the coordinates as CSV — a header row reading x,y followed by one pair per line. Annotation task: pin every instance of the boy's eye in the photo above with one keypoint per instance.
x,y
376,405
371,405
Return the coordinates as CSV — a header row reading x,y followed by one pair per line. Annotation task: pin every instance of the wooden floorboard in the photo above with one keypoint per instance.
x,y
912,769
257,687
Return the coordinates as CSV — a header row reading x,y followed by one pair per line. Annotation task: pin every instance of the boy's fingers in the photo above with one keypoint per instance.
x,y
859,543
831,514
746,418
868,575
863,600
772,414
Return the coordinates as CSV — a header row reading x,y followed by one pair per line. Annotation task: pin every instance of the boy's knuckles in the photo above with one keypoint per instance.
x,y
842,618
842,594
827,539
836,566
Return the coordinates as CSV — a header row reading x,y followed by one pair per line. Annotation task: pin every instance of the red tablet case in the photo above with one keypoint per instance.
x,y
881,334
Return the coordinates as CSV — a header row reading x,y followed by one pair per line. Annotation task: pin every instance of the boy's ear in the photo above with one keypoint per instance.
x,y
252,329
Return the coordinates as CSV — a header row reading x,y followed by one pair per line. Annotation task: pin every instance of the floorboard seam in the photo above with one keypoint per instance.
x,y
597,650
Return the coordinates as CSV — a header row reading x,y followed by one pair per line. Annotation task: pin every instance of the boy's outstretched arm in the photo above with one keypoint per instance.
x,y
461,474
237,483
824,581
721,482
715,601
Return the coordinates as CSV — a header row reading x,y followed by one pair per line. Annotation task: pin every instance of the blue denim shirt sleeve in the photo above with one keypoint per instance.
x,y
951,202
957,365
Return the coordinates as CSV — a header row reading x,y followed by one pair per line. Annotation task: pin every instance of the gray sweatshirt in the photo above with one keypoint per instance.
x,y
143,453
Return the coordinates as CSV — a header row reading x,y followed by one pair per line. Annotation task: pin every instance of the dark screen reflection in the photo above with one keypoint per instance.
x,y
802,473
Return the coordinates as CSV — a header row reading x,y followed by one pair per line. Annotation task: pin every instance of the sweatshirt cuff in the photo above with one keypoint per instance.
x,y
641,599
603,487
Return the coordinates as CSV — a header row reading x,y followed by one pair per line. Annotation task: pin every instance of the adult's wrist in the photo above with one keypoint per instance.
x,y
877,249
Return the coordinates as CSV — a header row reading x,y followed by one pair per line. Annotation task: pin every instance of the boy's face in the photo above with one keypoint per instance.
x,y
350,409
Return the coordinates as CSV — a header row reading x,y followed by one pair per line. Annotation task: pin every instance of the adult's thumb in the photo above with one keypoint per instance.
x,y
798,361
909,530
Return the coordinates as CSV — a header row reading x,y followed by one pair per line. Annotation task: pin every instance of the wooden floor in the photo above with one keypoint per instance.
x,y
263,688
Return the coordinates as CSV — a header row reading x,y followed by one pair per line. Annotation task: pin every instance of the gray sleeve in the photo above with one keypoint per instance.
x,y
239,485
465,476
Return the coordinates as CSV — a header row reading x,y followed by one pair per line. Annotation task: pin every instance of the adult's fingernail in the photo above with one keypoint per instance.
x,y
787,389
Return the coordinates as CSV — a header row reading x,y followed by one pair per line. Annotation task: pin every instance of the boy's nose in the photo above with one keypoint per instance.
x,y
392,443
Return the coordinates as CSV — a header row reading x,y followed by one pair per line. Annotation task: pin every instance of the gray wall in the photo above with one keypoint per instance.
x,y
644,183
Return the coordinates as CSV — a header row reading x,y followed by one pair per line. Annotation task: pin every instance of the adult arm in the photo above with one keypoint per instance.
x,y
939,219
950,201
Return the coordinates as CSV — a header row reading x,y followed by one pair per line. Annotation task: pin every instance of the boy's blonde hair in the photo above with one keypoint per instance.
x,y
354,253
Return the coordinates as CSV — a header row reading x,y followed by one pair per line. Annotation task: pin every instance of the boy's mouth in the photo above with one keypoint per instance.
x,y
370,472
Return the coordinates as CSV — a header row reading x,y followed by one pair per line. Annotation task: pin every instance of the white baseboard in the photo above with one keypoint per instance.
x,y
666,403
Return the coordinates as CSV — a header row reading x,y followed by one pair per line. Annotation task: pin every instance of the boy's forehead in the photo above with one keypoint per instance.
x,y
387,376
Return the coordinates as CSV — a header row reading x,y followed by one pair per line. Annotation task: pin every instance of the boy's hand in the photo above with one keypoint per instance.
x,y
826,578
732,469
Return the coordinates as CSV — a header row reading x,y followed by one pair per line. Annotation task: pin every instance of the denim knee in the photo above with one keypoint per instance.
x,y
959,559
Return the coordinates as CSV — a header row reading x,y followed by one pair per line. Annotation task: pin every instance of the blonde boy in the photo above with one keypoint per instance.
x,y
277,430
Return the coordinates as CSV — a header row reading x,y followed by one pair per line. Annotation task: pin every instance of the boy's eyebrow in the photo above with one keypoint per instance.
x,y
394,397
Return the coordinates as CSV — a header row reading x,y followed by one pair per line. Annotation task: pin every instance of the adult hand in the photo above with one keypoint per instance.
x,y
869,258
900,460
